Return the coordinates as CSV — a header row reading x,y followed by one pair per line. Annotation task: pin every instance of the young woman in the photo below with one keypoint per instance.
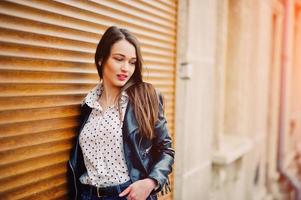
x,y
123,150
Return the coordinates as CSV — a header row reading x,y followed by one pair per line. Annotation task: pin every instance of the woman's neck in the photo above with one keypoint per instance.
x,y
109,94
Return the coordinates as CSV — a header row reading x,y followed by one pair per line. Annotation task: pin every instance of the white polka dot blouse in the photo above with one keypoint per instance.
x,y
102,143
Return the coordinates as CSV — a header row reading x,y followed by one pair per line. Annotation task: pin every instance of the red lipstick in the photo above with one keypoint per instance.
x,y
122,77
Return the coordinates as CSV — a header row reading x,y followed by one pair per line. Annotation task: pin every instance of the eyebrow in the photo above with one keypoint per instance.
x,y
122,55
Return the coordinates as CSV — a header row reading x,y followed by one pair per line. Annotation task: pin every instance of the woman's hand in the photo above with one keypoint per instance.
x,y
139,190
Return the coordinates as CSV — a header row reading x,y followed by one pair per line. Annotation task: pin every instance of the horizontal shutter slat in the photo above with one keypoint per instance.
x,y
33,164
28,127
21,154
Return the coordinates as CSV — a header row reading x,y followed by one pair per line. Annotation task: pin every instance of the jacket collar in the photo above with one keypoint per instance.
x,y
129,122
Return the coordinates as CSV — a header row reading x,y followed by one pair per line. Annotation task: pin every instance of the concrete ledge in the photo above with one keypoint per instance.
x,y
232,148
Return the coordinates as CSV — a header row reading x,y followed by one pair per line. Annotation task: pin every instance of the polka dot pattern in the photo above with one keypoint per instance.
x,y
102,143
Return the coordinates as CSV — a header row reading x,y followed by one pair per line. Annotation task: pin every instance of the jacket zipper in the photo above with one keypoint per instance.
x,y
74,180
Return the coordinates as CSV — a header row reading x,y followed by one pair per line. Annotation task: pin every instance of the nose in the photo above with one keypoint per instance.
x,y
125,67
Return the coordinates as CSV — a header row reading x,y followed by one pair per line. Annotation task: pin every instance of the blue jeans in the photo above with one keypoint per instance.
x,y
87,195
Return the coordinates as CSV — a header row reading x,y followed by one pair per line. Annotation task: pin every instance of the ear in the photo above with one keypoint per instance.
x,y
99,62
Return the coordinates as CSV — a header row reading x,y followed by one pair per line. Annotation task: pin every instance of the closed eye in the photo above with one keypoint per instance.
x,y
118,59
133,61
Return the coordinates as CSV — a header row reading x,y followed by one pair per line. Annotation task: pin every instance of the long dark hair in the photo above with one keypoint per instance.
x,y
142,95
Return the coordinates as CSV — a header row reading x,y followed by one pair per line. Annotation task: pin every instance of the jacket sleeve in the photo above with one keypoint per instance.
x,y
164,153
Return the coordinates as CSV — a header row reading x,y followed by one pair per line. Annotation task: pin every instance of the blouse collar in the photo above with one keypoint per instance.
x,y
92,97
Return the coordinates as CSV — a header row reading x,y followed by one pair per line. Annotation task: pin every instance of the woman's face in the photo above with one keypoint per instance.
x,y
120,65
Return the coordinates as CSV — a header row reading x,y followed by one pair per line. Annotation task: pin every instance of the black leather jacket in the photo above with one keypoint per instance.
x,y
144,158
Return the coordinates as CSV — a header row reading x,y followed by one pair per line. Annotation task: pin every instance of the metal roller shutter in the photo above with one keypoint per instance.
x,y
46,68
